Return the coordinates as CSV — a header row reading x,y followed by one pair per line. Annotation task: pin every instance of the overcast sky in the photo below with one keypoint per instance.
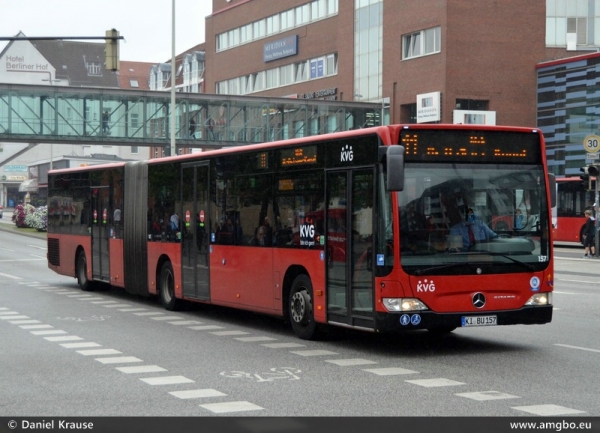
x,y
145,25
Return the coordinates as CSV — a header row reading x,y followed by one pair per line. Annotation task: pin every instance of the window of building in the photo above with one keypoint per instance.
x,y
93,68
472,104
134,83
421,43
281,22
135,150
572,22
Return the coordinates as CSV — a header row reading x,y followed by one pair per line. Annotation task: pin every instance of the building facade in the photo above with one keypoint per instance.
x,y
428,61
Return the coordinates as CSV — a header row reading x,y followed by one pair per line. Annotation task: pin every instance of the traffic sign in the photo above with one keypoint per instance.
x,y
591,144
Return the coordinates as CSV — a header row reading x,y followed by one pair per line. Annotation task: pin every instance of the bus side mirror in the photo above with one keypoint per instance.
x,y
395,168
552,186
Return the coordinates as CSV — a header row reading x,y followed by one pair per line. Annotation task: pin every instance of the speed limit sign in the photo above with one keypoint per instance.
x,y
591,143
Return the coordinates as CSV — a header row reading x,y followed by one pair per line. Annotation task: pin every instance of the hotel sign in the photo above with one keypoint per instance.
x,y
280,48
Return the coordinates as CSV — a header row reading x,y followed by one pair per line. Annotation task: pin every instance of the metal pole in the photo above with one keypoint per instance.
x,y
173,71
597,215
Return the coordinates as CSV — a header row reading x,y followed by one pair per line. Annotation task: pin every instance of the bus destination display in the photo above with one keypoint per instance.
x,y
470,146
299,156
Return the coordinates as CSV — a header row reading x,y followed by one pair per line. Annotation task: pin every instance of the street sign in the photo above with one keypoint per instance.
x,y
591,144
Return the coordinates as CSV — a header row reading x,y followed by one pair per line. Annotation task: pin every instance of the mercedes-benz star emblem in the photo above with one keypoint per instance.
x,y
478,300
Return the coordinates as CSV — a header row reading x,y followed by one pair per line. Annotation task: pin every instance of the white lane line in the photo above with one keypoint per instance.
x,y
547,410
232,406
119,360
149,313
254,339
167,318
390,371
8,313
36,326
283,345
349,362
49,332
117,306
14,317
12,277
96,352
205,327
131,310
313,352
228,333
65,338
432,383
141,369
80,345
486,395
197,393
91,299
578,348
167,380
185,322
23,322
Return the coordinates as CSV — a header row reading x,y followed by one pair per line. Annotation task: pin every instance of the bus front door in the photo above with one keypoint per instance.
x,y
100,226
349,227
194,231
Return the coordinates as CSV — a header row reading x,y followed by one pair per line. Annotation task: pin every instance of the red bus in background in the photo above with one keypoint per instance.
x,y
358,229
573,197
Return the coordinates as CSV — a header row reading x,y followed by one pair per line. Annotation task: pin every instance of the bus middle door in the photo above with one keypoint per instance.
x,y
100,230
349,226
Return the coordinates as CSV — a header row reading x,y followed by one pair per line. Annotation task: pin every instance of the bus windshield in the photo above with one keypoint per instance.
x,y
473,218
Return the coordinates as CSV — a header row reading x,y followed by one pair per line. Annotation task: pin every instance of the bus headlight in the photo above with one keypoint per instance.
x,y
403,304
540,299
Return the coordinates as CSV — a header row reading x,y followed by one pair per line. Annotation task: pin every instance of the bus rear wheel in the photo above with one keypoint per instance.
x,y
301,308
167,287
82,279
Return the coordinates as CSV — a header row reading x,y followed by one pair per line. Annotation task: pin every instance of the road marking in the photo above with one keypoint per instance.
x,y
228,333
65,338
91,299
183,322
167,318
197,393
14,317
23,322
22,260
12,277
141,369
149,313
348,362
390,371
313,352
432,383
547,410
205,327
8,313
37,247
96,352
578,348
117,306
119,360
486,395
104,302
167,380
283,345
50,332
131,310
80,345
254,339
36,326
76,295
232,406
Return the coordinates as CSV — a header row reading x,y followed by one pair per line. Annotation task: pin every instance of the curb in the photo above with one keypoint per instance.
x,y
10,227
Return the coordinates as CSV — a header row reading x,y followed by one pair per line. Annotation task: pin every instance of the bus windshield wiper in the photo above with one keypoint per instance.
x,y
518,262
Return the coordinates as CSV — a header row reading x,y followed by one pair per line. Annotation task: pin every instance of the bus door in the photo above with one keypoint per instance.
x,y
349,226
195,230
100,228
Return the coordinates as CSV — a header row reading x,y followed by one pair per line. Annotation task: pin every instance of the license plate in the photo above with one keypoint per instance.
x,y
479,320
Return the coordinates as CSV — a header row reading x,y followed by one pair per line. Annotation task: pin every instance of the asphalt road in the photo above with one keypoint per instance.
x,y
107,353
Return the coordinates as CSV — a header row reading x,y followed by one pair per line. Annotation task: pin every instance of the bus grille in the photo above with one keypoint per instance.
x,y
54,252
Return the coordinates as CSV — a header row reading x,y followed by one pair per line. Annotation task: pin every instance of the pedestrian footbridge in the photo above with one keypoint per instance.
x,y
77,115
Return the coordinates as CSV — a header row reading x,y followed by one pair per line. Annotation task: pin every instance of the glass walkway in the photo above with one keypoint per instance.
x,y
76,115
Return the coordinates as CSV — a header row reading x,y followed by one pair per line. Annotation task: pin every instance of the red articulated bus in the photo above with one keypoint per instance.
x,y
360,229
573,197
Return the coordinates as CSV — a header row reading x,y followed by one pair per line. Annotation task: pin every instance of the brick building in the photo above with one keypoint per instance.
x,y
431,60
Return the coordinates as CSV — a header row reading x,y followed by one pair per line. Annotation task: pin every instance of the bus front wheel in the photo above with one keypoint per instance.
x,y
167,288
301,308
82,279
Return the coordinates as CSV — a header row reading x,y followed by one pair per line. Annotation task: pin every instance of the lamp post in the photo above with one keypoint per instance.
x,y
173,152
